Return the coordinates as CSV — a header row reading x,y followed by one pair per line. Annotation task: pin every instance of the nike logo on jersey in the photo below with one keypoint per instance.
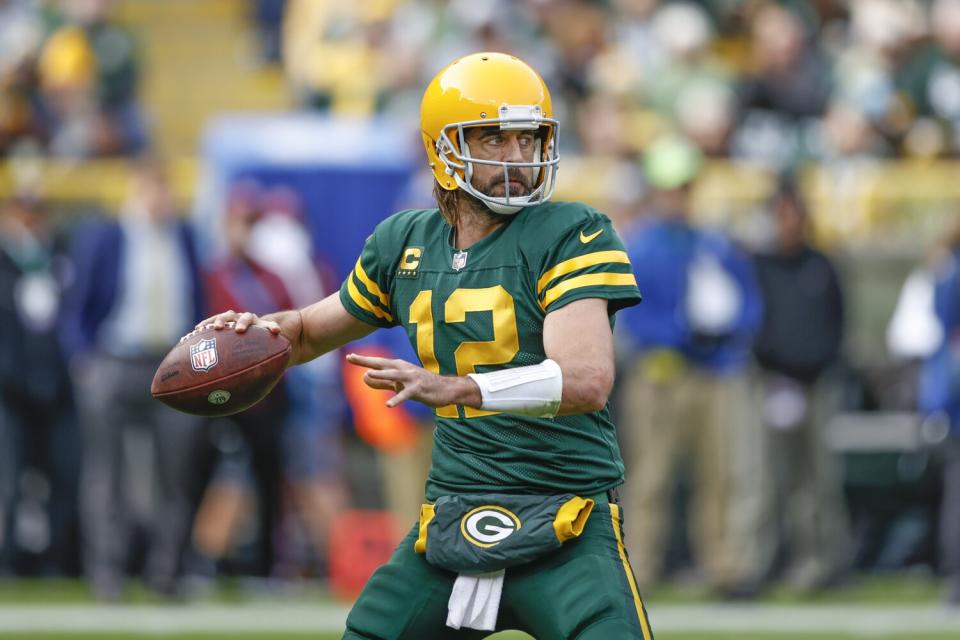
x,y
585,239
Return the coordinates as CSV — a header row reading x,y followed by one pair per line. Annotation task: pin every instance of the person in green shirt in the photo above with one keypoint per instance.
x,y
508,299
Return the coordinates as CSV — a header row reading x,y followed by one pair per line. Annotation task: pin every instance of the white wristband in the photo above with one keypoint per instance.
x,y
534,390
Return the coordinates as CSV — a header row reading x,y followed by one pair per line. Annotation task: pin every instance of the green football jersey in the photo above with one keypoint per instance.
x,y
483,309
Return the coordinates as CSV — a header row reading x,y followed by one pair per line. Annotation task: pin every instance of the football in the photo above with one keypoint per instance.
x,y
219,373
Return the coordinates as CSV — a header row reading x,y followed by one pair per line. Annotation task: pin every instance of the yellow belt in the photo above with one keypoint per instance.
x,y
663,365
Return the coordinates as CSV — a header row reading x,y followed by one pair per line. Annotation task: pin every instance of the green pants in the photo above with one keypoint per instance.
x,y
586,590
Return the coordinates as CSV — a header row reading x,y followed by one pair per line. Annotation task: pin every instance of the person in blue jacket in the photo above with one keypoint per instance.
x,y
939,398
137,289
685,394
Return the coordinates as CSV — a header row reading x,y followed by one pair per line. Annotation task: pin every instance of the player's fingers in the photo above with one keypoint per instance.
x,y
245,320
371,362
224,319
405,394
395,363
221,319
271,326
388,374
373,383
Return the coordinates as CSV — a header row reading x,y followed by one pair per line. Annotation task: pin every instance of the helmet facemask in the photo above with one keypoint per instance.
x,y
459,163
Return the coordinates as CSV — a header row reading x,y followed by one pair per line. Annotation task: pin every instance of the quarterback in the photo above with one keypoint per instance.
x,y
508,299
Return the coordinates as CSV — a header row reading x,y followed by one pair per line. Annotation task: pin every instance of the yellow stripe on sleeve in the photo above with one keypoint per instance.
x,y
371,285
580,262
363,303
427,513
638,603
588,280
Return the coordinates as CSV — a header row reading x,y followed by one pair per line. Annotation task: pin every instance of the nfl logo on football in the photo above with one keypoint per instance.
x,y
203,355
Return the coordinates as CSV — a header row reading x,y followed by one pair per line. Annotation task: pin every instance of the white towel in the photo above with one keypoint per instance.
x,y
475,601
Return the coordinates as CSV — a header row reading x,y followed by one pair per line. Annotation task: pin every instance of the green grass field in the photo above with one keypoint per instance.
x,y
902,607
499,636
900,589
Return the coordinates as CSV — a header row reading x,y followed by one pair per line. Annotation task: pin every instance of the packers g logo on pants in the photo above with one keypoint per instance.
x,y
488,526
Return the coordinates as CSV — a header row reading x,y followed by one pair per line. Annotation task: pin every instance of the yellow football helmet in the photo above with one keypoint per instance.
x,y
489,89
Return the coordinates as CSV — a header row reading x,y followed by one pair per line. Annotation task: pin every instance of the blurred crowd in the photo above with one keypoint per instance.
x,y
730,371
779,83
68,81
89,456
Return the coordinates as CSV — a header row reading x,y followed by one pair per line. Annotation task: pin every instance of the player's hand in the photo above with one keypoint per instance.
x,y
415,383
240,322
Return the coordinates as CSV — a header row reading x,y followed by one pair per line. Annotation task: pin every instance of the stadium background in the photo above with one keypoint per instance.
x,y
322,97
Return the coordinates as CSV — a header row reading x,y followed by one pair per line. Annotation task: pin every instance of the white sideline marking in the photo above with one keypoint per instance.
x,y
862,620
877,620
153,619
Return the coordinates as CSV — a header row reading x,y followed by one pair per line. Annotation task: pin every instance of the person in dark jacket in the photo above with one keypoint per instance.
x,y
798,347
38,439
137,291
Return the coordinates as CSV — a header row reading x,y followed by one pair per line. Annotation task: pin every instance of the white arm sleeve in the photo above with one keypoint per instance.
x,y
533,390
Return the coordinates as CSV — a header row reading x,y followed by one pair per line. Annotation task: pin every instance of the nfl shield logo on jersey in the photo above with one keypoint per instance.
x,y
203,355
459,260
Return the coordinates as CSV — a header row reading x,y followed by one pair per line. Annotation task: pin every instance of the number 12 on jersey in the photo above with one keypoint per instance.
x,y
501,350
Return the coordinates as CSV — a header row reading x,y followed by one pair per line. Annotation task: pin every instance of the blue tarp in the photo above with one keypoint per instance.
x,y
350,173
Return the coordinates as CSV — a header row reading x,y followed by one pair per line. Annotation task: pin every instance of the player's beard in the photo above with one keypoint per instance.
x,y
458,202
474,206
514,174
480,208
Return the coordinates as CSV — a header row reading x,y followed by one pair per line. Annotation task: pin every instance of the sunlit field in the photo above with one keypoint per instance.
x,y
510,635
899,607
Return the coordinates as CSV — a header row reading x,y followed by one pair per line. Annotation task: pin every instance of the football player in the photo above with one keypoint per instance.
x,y
509,300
